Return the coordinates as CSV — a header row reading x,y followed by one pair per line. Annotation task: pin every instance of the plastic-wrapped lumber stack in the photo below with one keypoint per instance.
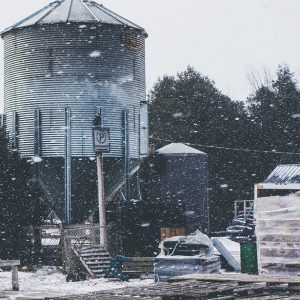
x,y
169,266
184,255
278,234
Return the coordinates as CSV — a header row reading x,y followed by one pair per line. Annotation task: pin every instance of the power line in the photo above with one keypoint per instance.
x,y
227,148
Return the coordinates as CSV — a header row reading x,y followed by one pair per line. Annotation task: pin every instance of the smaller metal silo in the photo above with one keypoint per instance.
x,y
176,189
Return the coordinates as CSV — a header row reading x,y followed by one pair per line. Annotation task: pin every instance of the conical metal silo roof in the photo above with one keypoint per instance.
x,y
179,149
73,11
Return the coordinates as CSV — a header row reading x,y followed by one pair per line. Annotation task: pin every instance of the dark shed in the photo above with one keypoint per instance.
x,y
175,188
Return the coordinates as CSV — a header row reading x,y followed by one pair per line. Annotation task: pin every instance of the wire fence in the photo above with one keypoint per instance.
x,y
82,235
77,236
53,244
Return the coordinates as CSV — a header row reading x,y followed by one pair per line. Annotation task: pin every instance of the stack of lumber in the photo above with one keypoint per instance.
x,y
207,286
278,234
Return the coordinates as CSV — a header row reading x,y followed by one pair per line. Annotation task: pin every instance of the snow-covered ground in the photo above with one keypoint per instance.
x,y
48,282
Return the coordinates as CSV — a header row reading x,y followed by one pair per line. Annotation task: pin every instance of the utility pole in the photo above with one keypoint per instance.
x,y
101,201
101,144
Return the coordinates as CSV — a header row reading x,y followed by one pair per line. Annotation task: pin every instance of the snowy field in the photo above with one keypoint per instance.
x,y
48,282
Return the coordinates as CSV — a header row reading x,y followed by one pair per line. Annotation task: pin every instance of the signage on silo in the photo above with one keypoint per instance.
x,y
101,137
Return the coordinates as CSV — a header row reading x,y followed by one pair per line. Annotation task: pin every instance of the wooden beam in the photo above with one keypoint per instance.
x,y
273,186
9,263
238,278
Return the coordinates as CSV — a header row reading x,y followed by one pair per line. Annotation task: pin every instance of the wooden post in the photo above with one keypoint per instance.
x,y
13,264
235,209
101,141
102,217
255,232
15,279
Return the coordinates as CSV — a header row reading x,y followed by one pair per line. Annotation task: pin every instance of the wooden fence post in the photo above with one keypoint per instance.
x,y
15,279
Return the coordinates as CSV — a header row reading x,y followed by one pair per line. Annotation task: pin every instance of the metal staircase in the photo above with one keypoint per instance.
x,y
94,258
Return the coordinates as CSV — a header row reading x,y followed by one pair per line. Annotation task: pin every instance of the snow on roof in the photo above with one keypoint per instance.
x,y
285,174
75,11
178,148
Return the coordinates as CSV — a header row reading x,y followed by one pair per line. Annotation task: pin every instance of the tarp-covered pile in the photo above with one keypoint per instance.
x,y
183,255
278,234
242,227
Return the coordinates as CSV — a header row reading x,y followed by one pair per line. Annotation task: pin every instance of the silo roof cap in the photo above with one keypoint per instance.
x,y
74,11
178,149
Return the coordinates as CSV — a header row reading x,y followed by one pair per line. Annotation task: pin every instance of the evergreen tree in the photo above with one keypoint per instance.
x,y
190,108
20,201
274,107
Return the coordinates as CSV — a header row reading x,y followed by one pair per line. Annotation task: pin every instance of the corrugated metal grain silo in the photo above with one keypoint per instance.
x,y
63,64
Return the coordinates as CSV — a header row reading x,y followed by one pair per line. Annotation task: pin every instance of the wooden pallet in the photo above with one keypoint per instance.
x,y
242,278
230,287
139,266
191,290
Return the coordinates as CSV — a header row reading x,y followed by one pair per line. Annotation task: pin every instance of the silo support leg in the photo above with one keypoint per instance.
x,y
127,153
68,176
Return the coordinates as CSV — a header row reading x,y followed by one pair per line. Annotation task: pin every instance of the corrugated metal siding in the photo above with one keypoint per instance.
x,y
79,12
50,68
284,174
64,11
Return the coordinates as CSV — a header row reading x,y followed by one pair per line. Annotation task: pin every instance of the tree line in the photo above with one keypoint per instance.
x,y
247,139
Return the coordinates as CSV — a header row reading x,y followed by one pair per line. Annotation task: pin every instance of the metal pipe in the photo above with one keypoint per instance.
x,y
255,194
68,178
235,209
256,231
127,153
15,130
37,132
37,142
2,120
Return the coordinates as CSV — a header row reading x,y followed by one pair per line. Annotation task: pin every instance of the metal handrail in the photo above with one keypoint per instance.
x,y
80,242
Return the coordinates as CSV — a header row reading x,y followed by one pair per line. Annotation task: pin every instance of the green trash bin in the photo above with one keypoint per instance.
x,y
249,257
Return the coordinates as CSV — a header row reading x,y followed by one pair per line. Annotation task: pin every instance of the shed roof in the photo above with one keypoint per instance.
x,y
284,177
285,174
177,149
75,11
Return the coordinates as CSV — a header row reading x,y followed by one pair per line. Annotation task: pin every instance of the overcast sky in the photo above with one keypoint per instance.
x,y
223,39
